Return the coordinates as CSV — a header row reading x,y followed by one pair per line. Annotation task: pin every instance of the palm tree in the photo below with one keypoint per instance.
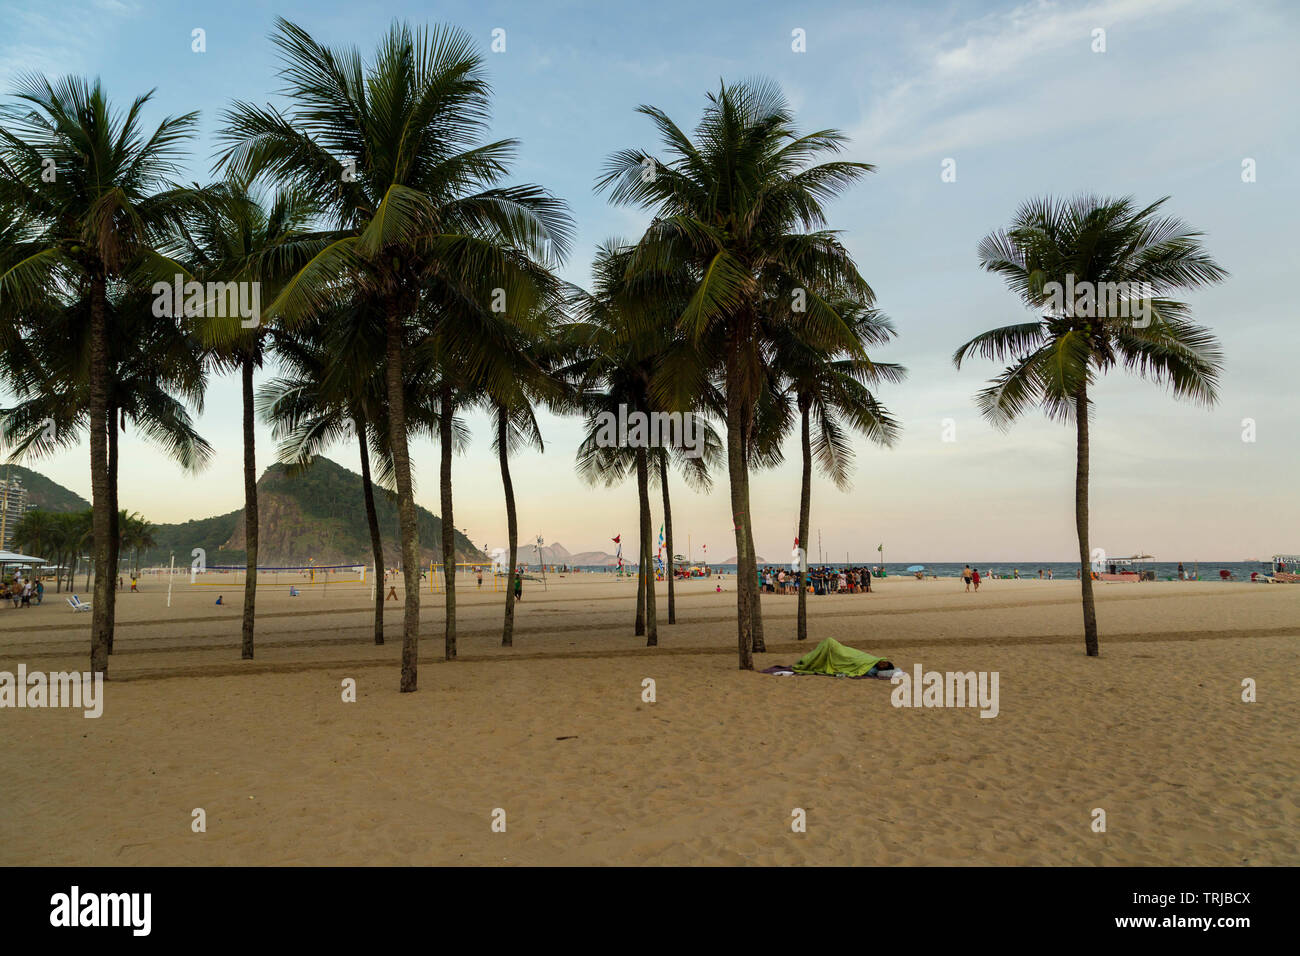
x,y
829,394
137,533
741,208
105,213
616,352
332,388
1124,262
242,238
420,226
35,532
154,379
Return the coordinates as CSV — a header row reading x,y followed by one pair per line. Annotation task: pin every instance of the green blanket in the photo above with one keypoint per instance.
x,y
832,657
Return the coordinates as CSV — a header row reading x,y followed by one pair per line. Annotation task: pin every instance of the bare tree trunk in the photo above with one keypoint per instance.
x,y
250,512
406,517
101,627
1081,522
805,503
647,547
668,537
372,519
737,473
512,522
115,518
448,527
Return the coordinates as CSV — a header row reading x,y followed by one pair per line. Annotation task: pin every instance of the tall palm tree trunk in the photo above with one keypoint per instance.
x,y
250,512
405,499
738,477
512,522
647,548
668,537
115,518
805,504
101,626
1081,522
448,527
639,628
372,519
755,592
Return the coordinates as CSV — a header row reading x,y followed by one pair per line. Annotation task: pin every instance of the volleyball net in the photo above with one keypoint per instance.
x,y
282,576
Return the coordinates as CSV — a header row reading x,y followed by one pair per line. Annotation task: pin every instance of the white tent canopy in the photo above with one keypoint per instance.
x,y
12,557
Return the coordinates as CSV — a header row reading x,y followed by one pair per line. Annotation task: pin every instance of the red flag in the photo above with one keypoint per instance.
x,y
617,539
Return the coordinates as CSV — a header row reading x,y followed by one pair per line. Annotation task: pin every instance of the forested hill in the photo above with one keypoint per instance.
x,y
315,514
43,493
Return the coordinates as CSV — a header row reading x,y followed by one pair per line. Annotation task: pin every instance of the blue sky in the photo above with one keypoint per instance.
x,y
1013,92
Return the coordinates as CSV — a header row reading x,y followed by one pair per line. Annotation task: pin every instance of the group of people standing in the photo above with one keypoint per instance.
x,y
824,580
25,593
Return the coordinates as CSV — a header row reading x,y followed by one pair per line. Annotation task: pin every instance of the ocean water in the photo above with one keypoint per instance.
x,y
1065,570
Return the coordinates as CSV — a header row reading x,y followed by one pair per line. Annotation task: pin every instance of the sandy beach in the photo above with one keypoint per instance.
x,y
555,733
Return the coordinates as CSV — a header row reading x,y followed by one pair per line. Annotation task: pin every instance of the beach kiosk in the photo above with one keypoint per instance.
x,y
1285,568
1125,570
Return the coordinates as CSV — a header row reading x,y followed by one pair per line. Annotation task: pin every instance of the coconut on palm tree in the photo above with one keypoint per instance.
x,y
740,205
1101,273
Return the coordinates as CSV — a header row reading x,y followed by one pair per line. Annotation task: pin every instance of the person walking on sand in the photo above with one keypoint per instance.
x,y
975,578
966,576
1049,574
519,586
134,584
480,579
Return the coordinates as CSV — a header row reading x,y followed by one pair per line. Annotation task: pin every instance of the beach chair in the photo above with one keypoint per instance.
x,y
77,604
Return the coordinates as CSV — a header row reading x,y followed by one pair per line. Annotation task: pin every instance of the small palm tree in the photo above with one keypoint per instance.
x,y
1124,262
35,532
332,388
109,211
243,238
829,394
513,400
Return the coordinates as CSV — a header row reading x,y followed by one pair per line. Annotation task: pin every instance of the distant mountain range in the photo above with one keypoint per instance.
x,y
315,514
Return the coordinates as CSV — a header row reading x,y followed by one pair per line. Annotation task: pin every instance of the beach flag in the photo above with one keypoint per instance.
x,y
618,540
659,554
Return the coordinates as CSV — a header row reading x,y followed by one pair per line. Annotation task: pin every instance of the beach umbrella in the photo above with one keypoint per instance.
x,y
916,567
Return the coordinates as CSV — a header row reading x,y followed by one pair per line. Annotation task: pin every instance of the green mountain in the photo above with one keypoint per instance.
x,y
315,514
43,493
